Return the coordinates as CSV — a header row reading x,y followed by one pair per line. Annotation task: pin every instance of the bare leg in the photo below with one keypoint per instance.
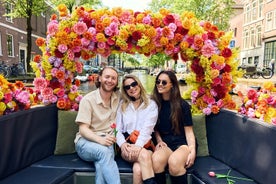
x,y
160,159
177,161
145,161
137,174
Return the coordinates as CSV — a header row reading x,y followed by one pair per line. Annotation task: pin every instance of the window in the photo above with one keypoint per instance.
x,y
260,11
259,36
274,19
252,37
254,11
243,61
269,22
247,13
10,45
8,10
256,60
269,52
250,60
246,39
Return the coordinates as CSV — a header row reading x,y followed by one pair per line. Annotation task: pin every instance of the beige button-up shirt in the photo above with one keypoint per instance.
x,y
94,112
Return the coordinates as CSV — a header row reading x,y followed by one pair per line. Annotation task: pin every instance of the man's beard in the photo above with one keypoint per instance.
x,y
108,89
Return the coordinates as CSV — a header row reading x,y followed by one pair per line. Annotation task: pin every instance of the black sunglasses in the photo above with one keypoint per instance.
x,y
133,84
163,82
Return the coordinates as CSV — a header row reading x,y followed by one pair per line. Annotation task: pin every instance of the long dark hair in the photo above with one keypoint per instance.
x,y
175,100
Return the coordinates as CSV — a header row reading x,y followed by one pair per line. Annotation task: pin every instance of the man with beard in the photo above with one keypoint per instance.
x,y
95,139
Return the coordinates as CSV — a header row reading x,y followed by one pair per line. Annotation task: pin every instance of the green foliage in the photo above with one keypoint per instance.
x,y
130,59
218,12
158,59
25,8
133,61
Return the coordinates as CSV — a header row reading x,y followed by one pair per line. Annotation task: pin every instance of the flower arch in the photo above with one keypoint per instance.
x,y
87,32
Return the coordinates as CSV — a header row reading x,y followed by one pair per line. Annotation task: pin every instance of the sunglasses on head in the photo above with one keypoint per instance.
x,y
133,84
163,82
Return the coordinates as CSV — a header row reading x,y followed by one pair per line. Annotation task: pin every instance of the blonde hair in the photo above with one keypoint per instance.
x,y
126,99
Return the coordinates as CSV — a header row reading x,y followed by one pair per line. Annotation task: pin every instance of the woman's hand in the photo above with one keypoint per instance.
x,y
125,147
160,145
130,152
191,158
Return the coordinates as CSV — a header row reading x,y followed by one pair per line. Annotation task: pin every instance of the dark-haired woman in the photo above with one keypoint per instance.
x,y
173,132
136,113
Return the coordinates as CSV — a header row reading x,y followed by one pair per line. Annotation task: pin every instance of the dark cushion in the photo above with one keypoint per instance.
x,y
73,161
203,176
208,163
247,145
26,137
69,161
203,165
36,175
124,166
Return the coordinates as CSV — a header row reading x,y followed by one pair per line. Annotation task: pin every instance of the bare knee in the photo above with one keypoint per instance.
x,y
145,156
176,167
159,163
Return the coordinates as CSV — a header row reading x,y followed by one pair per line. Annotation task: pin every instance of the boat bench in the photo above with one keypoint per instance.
x,y
243,146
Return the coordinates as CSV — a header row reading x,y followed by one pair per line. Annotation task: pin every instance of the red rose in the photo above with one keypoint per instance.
x,y
136,35
168,19
226,53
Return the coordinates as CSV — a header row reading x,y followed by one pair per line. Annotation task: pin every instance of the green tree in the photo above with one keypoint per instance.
x,y
71,4
158,59
218,12
130,59
26,9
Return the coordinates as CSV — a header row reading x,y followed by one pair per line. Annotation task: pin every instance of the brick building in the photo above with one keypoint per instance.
x,y
255,26
13,36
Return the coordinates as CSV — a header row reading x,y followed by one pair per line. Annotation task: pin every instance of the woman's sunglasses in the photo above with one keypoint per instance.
x,y
163,82
133,84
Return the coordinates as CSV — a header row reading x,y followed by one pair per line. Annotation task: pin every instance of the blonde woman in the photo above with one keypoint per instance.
x,y
136,115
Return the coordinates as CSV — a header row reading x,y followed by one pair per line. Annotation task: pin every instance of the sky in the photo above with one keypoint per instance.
x,y
136,5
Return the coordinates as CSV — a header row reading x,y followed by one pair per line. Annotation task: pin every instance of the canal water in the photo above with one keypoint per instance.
x,y
147,81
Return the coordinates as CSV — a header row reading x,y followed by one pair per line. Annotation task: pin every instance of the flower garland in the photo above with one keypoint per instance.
x,y
260,104
87,32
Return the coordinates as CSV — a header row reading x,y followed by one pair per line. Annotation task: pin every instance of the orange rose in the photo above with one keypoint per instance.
x,y
40,42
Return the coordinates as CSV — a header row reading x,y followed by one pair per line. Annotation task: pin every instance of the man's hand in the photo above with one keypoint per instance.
x,y
107,140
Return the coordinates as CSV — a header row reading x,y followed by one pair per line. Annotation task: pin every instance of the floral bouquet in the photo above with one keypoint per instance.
x,y
15,97
54,92
260,104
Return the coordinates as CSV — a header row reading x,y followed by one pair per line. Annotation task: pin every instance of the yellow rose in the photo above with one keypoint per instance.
x,y
2,107
1,95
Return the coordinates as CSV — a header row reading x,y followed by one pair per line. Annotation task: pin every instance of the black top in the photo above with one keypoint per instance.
x,y
164,125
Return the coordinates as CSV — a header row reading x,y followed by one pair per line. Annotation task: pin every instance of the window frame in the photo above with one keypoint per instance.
x,y
10,45
7,11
